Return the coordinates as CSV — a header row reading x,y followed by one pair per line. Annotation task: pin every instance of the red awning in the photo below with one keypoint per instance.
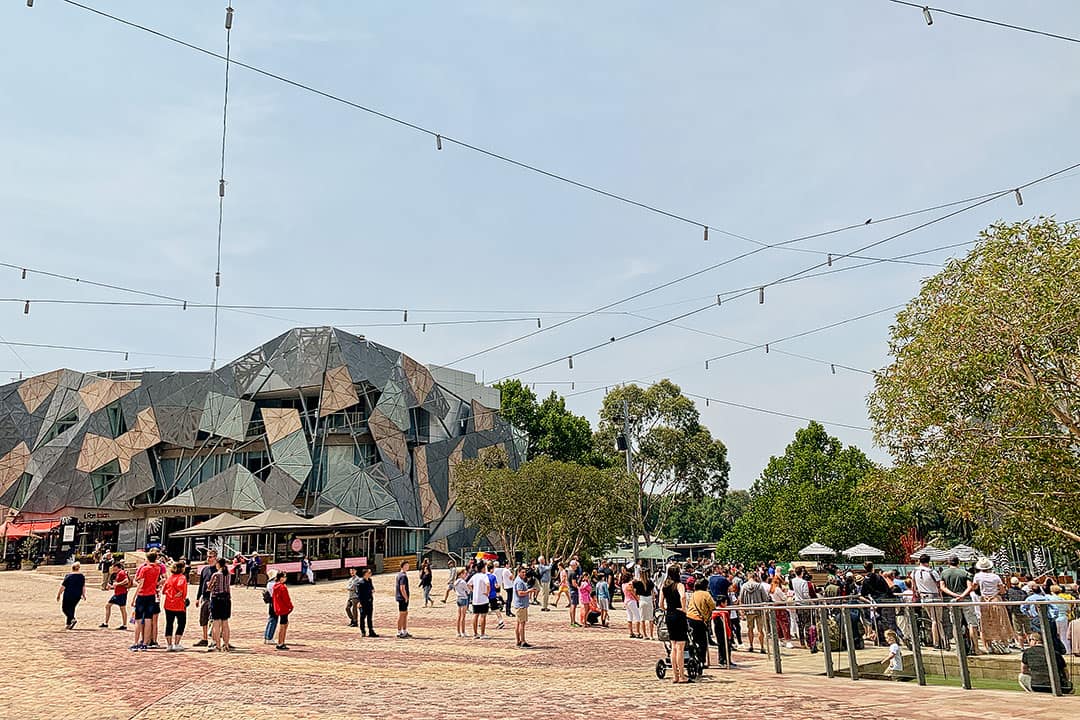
x,y
19,530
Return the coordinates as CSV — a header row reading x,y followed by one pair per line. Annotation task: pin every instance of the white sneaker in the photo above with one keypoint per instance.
x,y
789,646
484,637
178,647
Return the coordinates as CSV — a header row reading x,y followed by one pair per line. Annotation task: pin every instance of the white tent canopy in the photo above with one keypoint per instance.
x,y
936,555
817,550
862,550
217,525
965,553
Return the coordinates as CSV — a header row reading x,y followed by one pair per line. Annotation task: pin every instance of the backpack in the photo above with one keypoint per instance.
x,y
267,597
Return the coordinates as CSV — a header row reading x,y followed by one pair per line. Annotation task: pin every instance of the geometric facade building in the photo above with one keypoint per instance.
x,y
316,418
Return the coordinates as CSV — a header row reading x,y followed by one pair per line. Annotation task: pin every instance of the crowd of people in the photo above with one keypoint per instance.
x,y
698,605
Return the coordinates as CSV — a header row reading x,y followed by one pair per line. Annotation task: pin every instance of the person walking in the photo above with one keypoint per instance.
x,y
282,608
461,592
401,594
675,619
522,594
585,591
174,595
426,579
451,578
202,596
72,590
254,570
120,585
352,588
632,606
105,564
506,577
220,588
366,593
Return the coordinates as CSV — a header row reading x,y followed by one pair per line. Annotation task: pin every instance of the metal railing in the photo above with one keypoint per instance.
x,y
822,608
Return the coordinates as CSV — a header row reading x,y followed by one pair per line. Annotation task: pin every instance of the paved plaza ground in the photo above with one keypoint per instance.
x,y
332,672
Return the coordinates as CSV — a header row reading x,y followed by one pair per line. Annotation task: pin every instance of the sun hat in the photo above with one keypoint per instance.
x,y
984,563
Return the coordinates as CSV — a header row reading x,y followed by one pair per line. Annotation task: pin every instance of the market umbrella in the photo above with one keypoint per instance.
x,y
338,518
862,550
217,525
817,550
965,553
935,554
271,520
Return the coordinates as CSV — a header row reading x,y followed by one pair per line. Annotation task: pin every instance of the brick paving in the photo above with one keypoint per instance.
x,y
332,672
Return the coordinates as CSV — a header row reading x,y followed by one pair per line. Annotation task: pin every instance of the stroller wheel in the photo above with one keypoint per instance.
x,y
693,668
661,669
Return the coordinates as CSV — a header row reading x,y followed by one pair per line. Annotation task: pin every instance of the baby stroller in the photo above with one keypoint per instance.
x,y
690,660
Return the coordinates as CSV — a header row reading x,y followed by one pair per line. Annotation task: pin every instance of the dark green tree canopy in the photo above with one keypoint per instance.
x,y
553,431
814,492
980,408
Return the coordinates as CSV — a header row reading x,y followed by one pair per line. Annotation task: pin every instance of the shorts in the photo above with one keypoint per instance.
x,y
120,600
221,607
754,622
463,602
1021,624
144,607
967,609
633,611
936,613
604,604
575,599
522,615
282,619
204,612
157,608
647,610
403,605
480,609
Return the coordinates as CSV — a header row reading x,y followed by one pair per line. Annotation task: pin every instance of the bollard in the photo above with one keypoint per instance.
x,y
916,644
849,640
961,646
771,625
826,643
1045,624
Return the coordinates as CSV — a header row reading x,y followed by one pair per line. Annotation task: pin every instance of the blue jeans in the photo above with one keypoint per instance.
x,y
271,626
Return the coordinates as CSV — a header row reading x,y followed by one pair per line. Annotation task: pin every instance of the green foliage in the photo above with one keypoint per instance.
x,y
981,406
546,507
705,519
675,457
552,430
814,492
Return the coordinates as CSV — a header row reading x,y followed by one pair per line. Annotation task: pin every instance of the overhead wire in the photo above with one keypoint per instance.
x,y
929,9
801,274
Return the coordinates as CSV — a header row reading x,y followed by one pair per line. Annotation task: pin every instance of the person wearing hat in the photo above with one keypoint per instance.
x,y
1021,623
995,626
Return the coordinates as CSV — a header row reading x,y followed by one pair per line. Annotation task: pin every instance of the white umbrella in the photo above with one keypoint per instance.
x,y
862,550
817,550
935,554
965,553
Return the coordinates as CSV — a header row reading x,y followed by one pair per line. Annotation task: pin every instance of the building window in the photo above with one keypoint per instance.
x,y
419,425
116,420
21,491
103,480
364,454
62,425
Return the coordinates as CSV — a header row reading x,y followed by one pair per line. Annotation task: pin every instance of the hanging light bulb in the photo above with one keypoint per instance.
x,y
423,328
761,296
221,187
538,323
29,3
829,260
706,364
570,358
228,18
24,273
706,233
185,305
1019,197
833,368
766,348
571,385
438,142
26,308
926,14
706,402
717,299
404,316
125,357
217,279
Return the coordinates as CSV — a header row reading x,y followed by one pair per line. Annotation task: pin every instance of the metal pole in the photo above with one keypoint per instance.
x,y
961,647
826,642
849,639
630,468
1048,646
775,640
916,644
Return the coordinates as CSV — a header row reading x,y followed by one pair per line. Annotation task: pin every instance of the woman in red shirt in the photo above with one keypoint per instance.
x,y
282,607
175,592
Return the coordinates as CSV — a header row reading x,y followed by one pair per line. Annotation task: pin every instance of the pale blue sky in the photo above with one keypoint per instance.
x,y
766,119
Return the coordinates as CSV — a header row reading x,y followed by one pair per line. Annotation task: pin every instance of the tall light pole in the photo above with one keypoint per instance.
x,y
625,446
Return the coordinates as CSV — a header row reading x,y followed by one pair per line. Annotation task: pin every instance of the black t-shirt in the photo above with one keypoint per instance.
x,y
672,599
204,580
74,583
876,587
365,590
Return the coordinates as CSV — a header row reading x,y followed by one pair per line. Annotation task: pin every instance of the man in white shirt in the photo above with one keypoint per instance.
x,y
506,582
480,589
927,588
800,591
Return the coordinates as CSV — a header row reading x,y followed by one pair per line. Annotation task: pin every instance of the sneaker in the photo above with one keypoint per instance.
x,y
500,626
406,634
788,645
178,648
211,648
153,645
484,637
134,647
400,634
71,625
475,637
281,647
372,635
122,627
545,609
104,625
201,643
524,645
169,648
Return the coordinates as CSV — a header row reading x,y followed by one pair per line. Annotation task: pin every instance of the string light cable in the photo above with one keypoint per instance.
x,y
929,10
801,274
